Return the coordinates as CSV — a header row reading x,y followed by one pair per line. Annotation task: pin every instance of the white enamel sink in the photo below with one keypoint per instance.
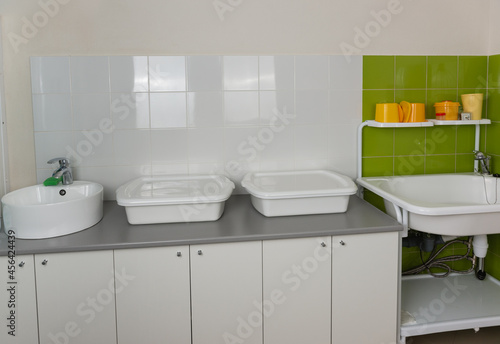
x,y
446,204
39,212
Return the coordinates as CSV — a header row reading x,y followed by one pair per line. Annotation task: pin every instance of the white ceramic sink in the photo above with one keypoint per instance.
x,y
446,204
39,212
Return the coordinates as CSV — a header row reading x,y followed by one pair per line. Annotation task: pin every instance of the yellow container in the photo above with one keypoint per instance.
x,y
473,103
447,110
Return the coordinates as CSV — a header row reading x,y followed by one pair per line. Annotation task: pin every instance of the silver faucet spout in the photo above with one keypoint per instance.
x,y
484,161
63,170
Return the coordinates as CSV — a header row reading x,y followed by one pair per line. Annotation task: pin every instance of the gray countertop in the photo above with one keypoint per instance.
x,y
240,222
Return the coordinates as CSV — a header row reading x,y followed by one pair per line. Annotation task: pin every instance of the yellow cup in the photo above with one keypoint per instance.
x,y
388,113
473,103
413,112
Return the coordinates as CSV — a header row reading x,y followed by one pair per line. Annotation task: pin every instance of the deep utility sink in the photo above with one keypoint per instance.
x,y
39,212
445,204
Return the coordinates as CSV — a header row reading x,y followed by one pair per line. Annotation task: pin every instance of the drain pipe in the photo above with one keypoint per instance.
x,y
480,246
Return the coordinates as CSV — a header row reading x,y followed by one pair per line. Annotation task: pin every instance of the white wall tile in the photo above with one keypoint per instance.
x,y
311,142
90,109
276,72
94,147
241,144
168,110
205,109
132,147
130,110
167,73
160,170
311,72
346,106
204,73
89,74
52,112
50,74
277,145
49,145
206,145
128,73
241,73
346,74
169,146
241,108
207,168
276,101
311,106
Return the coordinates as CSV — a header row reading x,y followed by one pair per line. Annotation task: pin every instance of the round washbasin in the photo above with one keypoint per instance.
x,y
39,212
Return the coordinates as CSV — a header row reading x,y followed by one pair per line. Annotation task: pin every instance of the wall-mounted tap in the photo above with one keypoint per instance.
x,y
64,170
484,161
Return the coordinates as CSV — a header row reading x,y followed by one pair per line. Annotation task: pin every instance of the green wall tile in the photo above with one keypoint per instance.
x,y
493,138
493,104
378,72
439,164
442,71
435,96
374,199
409,141
411,96
409,165
440,140
371,98
492,265
378,142
373,167
472,71
494,164
411,71
494,243
494,71
465,163
466,135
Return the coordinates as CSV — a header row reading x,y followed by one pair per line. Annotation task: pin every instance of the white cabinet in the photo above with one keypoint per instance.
x,y
18,301
75,297
365,288
297,291
226,293
154,307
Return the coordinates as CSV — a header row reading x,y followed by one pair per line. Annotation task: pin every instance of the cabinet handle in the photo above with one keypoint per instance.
x,y
323,244
200,252
179,254
21,264
342,242
44,262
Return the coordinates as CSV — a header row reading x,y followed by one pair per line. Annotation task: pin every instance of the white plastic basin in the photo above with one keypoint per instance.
x,y
299,192
446,204
39,212
174,198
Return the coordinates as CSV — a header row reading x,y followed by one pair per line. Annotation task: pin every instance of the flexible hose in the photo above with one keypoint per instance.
x,y
439,263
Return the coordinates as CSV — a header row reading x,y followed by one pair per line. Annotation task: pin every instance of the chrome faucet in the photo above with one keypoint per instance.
x,y
484,161
64,170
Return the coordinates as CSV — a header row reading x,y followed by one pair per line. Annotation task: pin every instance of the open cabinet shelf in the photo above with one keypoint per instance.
x,y
456,302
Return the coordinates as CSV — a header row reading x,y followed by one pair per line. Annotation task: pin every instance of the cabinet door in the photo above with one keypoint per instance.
x,y
75,295
297,291
18,296
226,293
155,306
365,288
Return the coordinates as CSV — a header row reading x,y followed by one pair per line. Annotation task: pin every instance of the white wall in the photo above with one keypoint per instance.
x,y
494,30
257,27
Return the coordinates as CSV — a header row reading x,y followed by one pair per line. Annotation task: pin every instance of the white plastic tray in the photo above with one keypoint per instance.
x,y
299,192
175,198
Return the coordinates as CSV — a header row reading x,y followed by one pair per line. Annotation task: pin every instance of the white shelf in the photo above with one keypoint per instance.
x,y
481,121
457,302
376,124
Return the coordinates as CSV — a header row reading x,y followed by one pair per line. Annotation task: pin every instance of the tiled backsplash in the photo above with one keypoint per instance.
x,y
420,79
120,117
